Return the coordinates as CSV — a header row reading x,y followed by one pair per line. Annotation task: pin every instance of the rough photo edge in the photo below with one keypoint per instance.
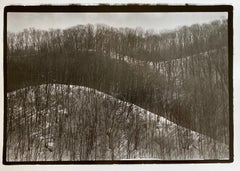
x,y
125,8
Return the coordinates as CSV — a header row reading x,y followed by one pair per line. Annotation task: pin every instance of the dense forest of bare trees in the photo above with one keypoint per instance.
x,y
181,75
63,122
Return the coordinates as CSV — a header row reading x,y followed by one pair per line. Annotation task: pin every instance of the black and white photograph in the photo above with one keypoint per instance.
x,y
117,86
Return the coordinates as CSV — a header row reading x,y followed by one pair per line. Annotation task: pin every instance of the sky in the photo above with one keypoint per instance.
x,y
157,21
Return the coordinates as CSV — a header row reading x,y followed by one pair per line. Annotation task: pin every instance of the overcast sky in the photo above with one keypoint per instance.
x,y
156,21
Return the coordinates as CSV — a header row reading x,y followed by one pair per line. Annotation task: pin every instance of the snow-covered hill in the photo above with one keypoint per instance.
x,y
67,122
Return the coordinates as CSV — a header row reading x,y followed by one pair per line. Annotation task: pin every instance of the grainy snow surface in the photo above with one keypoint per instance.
x,y
67,122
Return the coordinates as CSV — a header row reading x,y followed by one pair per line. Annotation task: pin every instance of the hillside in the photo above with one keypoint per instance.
x,y
68,122
95,92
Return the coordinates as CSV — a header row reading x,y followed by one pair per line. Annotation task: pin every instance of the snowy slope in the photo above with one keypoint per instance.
x,y
67,122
